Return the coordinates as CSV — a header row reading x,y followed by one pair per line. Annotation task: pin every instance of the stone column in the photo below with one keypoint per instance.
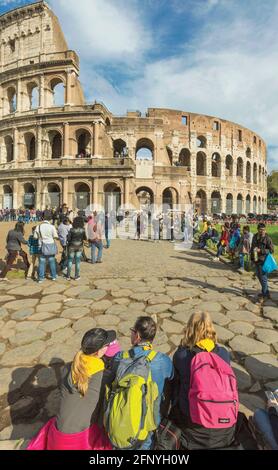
x,y
42,93
19,96
126,191
15,141
65,198
66,140
16,203
39,145
95,191
96,136
39,195
68,88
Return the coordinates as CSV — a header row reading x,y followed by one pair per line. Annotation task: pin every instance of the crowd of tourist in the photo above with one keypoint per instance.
x,y
111,399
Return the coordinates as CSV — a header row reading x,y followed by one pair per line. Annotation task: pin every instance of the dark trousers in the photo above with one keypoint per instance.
x,y
12,255
262,276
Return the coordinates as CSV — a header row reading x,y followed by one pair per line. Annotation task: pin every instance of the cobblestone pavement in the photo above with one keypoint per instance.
x,y
41,325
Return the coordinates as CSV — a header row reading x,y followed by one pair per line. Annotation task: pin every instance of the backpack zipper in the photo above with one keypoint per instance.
x,y
215,401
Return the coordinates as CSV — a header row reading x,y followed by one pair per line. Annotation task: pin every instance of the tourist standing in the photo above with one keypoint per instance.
x,y
244,247
261,246
15,239
34,252
95,236
75,240
63,231
46,233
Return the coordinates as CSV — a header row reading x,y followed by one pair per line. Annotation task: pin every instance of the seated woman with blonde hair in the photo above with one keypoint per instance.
x,y
82,389
204,398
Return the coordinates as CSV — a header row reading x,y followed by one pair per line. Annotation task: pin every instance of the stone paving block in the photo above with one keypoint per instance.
x,y
266,336
243,315
53,325
28,325
23,355
54,298
262,366
160,299
75,313
84,324
241,328
60,336
52,307
160,308
22,314
26,291
58,354
26,337
170,326
93,294
102,306
107,321
3,313
245,345
223,334
20,304
271,312
250,403
74,291
244,380
121,293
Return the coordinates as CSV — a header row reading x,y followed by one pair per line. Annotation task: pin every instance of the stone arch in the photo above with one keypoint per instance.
x,y
145,197
112,196
229,204
83,143
229,165
255,173
9,145
248,204
144,149
55,140
216,165
201,202
82,195
120,149
7,197
216,202
239,204
201,141
57,90
248,152
239,167
29,197
201,166
255,208
170,197
30,146
33,95
53,195
12,100
248,172
184,158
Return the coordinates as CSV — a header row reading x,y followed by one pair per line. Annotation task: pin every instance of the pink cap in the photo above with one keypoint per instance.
x,y
113,349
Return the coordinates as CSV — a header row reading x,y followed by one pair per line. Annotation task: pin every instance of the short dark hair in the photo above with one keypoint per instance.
x,y
247,228
78,222
47,215
261,225
146,327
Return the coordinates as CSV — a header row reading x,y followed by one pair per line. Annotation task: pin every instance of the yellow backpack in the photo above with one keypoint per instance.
x,y
131,403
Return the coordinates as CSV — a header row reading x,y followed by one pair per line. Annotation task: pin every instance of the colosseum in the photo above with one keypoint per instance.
x,y
56,148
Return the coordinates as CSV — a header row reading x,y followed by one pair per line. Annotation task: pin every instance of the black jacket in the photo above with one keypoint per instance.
x,y
76,237
14,240
264,244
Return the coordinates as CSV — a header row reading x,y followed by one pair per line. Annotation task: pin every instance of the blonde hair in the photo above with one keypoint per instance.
x,y
79,373
199,327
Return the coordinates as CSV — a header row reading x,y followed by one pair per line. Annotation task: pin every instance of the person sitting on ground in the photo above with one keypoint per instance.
x,y
81,398
204,389
75,243
140,365
15,239
265,424
244,247
210,234
223,241
34,252
261,246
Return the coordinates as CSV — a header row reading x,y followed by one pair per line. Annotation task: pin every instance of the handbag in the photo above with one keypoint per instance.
x,y
270,264
48,249
167,436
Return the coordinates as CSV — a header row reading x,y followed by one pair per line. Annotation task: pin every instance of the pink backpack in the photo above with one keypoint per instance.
x,y
213,396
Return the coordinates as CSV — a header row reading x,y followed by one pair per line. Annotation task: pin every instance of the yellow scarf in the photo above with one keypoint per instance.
x,y
206,344
92,365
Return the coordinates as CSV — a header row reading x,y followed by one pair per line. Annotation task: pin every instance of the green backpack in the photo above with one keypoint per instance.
x,y
132,405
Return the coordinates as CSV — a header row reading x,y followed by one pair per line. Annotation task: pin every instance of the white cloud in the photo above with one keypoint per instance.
x,y
103,31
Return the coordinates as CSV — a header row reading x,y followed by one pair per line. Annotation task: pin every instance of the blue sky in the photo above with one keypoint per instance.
x,y
217,57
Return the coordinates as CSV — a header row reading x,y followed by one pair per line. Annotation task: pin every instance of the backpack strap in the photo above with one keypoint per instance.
x,y
150,357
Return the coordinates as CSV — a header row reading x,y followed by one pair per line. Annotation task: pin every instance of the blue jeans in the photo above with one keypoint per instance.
x,y
262,278
241,260
148,443
42,265
220,248
108,242
74,255
97,244
261,420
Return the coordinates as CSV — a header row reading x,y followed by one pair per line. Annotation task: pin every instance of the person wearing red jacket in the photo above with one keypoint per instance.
x,y
223,241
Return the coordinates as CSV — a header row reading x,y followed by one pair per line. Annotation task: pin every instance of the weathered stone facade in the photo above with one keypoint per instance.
x,y
80,154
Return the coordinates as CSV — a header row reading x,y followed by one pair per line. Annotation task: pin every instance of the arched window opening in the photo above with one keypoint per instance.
x,y
34,95
229,165
248,204
201,202
82,196
248,152
56,144
145,198
248,172
215,202
239,169
255,204
58,92
216,165
120,148
144,149
8,197
239,204
9,143
30,143
255,173
53,195
201,164
83,144
229,204
112,197
184,158
201,141
12,100
29,198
